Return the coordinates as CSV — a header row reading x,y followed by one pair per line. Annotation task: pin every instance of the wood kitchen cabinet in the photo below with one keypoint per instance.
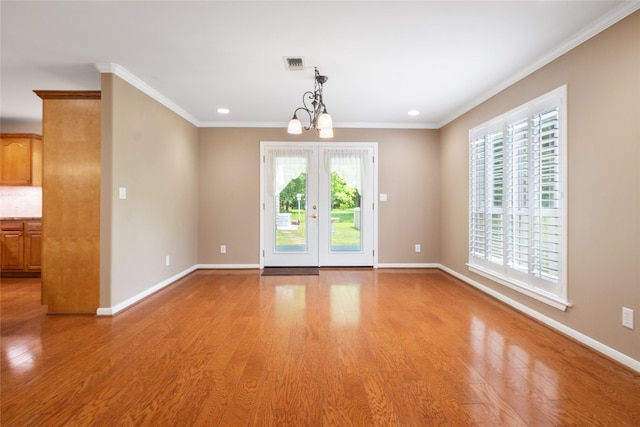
x,y
20,159
33,246
21,247
12,238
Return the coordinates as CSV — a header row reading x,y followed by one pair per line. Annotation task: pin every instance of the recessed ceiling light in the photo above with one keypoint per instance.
x,y
223,110
413,112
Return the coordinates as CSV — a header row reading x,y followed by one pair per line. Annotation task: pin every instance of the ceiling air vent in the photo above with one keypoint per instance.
x,y
294,63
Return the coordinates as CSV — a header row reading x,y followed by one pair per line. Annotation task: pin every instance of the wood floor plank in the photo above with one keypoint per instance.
x,y
357,401
263,410
346,347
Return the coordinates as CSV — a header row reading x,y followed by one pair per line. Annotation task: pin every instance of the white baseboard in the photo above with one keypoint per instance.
x,y
560,327
227,266
408,265
110,311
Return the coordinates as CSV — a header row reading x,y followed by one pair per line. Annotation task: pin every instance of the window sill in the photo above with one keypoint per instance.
x,y
546,298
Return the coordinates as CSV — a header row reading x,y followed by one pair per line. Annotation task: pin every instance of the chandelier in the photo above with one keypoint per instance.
x,y
318,117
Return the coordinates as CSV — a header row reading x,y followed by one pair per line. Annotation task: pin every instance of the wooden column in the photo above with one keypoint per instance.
x,y
71,131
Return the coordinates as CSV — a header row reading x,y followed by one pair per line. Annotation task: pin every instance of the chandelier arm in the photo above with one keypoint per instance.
x,y
308,96
309,109
308,113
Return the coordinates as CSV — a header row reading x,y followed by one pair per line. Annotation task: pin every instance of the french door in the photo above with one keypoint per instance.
x,y
317,204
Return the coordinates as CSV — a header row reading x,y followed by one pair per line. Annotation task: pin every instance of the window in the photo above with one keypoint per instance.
x,y
517,199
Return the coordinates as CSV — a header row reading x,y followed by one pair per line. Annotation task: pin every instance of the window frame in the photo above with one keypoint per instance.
x,y
494,173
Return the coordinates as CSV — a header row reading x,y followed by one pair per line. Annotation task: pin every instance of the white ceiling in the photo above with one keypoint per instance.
x,y
382,58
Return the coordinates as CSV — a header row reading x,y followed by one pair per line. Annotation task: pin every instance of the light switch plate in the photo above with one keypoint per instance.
x,y
383,197
627,317
122,192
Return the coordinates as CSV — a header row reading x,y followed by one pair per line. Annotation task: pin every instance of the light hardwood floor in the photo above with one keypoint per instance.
x,y
361,348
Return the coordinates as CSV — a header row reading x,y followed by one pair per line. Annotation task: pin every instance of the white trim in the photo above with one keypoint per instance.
x,y
537,295
235,124
554,324
110,311
336,125
385,125
408,265
625,9
145,88
228,266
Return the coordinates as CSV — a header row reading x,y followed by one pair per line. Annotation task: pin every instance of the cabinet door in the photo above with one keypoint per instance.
x,y
33,246
36,162
15,160
12,240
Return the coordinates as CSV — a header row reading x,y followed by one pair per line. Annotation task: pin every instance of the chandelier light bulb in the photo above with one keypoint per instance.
x,y
326,133
295,126
325,121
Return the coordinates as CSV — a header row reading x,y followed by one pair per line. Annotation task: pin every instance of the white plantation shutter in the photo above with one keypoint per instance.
x,y
518,229
478,196
495,226
546,194
516,203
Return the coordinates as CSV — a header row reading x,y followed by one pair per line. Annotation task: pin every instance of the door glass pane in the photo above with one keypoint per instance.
x,y
290,182
345,172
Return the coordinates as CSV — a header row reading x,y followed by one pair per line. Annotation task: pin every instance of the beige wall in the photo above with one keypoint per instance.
x,y
21,126
603,79
229,213
153,153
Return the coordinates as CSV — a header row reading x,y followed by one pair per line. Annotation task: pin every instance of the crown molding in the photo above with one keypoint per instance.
x,y
124,74
606,21
338,125
231,124
385,125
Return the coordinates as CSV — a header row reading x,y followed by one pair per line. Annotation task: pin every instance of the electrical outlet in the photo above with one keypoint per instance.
x,y
418,248
167,260
627,317
223,249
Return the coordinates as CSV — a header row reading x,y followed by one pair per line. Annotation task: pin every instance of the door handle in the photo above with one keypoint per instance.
x,y
314,216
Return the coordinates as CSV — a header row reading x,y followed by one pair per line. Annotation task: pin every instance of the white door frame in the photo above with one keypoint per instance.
x,y
292,144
